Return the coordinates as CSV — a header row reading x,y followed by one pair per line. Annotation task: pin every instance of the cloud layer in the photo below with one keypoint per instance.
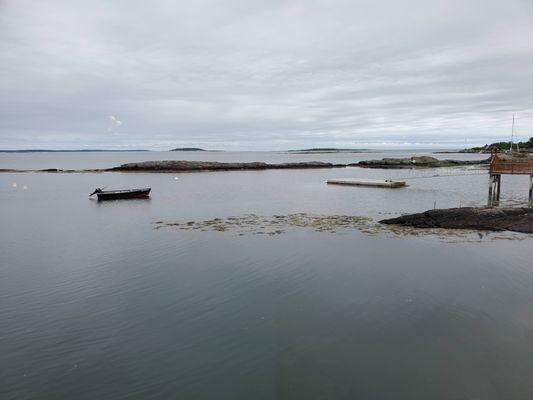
x,y
264,74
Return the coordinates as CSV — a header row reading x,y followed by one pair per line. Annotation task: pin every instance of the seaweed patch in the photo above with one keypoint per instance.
x,y
276,224
253,224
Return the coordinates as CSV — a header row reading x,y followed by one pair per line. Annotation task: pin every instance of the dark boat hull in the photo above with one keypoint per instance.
x,y
124,194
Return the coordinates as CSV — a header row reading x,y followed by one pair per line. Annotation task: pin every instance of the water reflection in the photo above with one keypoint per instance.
x,y
96,303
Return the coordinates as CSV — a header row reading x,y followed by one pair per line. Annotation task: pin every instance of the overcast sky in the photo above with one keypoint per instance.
x,y
265,74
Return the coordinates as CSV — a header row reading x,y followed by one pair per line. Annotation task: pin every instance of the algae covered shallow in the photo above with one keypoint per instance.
x,y
253,224
275,224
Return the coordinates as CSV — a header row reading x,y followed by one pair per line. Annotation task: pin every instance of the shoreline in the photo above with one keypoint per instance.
x,y
173,166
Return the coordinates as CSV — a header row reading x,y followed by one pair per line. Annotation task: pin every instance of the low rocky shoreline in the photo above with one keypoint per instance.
x,y
386,163
197,166
186,166
190,166
417,162
482,218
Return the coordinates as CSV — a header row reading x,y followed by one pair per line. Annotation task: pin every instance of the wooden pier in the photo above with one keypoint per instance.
x,y
511,166
384,183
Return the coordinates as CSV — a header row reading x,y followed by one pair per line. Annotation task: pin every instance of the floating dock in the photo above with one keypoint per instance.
x,y
384,183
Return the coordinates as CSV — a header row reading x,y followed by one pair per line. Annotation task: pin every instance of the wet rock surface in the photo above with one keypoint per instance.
x,y
485,218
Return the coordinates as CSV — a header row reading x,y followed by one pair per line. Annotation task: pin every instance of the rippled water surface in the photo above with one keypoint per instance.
x,y
97,304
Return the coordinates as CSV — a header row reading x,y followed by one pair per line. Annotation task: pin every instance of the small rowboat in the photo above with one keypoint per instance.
x,y
121,194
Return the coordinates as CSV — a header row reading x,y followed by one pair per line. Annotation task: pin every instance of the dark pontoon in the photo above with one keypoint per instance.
x,y
121,194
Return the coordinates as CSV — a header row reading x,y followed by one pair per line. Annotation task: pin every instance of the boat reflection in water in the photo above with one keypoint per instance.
x,y
121,194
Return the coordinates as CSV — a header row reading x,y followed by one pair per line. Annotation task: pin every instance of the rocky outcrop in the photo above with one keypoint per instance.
x,y
484,218
185,166
416,162
193,166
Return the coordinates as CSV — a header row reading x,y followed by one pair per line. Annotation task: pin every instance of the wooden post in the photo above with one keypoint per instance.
x,y
530,190
494,189
498,186
490,189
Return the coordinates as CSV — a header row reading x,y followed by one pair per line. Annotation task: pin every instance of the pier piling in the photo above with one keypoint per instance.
x,y
530,190
494,189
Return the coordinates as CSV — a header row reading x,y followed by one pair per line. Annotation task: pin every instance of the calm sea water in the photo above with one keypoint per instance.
x,y
96,304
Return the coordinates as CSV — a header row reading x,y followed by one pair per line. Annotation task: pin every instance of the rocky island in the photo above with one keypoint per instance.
x,y
482,218
416,162
387,163
185,166
194,166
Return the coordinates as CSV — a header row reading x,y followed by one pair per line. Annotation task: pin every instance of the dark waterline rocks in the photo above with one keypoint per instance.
x,y
483,218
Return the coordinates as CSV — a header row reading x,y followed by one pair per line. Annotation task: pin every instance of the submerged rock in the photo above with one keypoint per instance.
x,y
483,218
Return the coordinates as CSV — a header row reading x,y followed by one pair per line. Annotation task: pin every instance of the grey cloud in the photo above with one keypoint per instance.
x,y
264,75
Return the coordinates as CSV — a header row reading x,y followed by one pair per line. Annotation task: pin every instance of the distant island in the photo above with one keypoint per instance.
x,y
68,151
188,149
326,150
